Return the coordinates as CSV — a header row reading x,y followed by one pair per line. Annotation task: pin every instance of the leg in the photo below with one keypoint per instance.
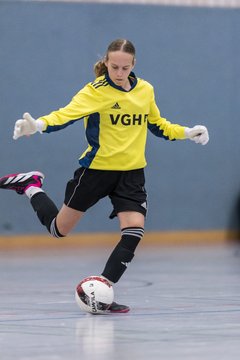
x,y
58,223
67,219
131,219
131,224
132,230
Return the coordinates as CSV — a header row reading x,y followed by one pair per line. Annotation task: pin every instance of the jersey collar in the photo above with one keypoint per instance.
x,y
132,78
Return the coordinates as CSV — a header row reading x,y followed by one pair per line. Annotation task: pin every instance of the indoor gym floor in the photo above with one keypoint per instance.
x,y
185,304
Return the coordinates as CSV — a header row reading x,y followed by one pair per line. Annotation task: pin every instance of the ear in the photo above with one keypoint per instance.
x,y
134,62
105,61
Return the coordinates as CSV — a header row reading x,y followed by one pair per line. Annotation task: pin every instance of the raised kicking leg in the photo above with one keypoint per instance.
x,y
58,223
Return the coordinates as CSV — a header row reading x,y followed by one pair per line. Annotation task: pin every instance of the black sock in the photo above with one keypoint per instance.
x,y
54,229
45,208
123,253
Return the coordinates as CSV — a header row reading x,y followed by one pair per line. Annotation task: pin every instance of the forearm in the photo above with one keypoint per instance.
x,y
60,119
167,130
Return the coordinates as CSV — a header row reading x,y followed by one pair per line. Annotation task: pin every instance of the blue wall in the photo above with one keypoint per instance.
x,y
190,55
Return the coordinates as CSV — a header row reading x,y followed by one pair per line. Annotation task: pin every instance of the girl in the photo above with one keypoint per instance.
x,y
118,108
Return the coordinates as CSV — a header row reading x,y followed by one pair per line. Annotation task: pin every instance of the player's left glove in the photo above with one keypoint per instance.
x,y
198,134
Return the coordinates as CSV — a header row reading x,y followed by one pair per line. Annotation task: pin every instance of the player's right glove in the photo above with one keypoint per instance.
x,y
27,126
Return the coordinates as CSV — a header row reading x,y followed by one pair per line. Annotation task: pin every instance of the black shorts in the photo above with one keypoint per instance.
x,y
125,189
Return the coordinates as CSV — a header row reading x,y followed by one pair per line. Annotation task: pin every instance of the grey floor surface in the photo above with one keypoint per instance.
x,y
185,304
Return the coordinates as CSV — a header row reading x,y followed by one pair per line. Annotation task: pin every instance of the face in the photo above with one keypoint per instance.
x,y
119,65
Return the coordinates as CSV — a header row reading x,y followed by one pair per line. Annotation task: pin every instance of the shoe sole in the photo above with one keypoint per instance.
x,y
119,311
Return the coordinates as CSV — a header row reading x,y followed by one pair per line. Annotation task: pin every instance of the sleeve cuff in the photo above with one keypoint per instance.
x,y
41,126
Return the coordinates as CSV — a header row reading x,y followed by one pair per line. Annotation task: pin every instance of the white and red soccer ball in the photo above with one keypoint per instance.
x,y
94,295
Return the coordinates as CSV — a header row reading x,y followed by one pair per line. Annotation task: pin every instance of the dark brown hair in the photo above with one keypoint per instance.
x,y
116,45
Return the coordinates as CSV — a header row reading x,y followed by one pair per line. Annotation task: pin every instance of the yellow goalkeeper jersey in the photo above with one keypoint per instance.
x,y
116,123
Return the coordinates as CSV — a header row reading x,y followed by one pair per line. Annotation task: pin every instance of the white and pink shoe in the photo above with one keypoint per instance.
x,y
22,181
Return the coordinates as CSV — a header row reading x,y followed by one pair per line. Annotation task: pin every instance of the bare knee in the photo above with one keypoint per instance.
x,y
67,219
131,218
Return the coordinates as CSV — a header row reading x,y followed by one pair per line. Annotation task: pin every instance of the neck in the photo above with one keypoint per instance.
x,y
127,86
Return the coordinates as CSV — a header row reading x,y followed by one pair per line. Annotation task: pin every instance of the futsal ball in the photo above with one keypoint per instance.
x,y
94,295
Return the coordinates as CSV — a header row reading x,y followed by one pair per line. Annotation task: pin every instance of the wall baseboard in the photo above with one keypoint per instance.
x,y
161,238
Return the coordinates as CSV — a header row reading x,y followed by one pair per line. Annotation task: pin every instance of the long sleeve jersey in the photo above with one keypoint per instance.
x,y
116,123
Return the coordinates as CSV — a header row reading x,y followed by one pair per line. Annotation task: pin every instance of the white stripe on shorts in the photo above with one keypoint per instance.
x,y
79,180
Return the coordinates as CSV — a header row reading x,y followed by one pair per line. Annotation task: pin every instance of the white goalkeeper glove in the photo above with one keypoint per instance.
x,y
27,126
198,134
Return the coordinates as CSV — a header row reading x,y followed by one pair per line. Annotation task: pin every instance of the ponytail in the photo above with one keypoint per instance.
x,y
100,68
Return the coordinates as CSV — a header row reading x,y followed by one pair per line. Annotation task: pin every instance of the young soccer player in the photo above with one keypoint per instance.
x,y
118,108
